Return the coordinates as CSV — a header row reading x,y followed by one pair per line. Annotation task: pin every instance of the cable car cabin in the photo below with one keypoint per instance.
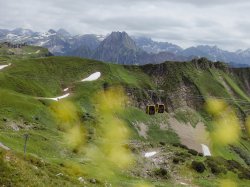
x,y
160,108
150,109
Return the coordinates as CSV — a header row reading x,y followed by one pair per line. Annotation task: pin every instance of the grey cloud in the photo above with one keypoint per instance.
x,y
185,22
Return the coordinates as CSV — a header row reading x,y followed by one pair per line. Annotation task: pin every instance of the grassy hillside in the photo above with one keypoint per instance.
x,y
93,120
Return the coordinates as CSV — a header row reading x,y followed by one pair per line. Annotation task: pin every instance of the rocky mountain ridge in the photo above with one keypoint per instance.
x,y
119,47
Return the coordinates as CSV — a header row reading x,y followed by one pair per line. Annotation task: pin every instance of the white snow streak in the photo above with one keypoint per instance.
x,y
183,183
4,147
150,154
58,98
4,66
92,77
205,149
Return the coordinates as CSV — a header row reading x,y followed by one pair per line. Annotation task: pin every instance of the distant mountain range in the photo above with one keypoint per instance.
x,y
119,47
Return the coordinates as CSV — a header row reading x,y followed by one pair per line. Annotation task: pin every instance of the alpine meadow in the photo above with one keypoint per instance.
x,y
165,103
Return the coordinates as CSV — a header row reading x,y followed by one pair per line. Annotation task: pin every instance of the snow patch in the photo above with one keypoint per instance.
x,y
100,37
38,51
4,147
150,154
59,174
41,43
183,183
92,77
61,97
205,150
47,34
58,98
4,66
11,36
81,179
66,89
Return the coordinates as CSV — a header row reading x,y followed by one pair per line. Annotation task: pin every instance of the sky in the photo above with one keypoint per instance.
x,y
225,23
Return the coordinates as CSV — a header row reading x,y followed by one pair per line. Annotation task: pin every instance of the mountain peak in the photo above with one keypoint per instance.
x,y
118,47
119,35
21,31
244,53
121,40
151,46
208,46
143,38
63,32
51,31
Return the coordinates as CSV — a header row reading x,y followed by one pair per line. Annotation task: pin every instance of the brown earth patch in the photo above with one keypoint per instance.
x,y
190,136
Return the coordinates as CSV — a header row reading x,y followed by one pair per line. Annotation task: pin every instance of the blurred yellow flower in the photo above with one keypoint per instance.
x,y
142,184
225,126
227,183
215,106
109,152
68,120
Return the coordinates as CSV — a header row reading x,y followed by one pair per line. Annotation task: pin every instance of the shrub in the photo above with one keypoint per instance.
x,y
162,173
180,145
232,165
245,174
200,154
243,154
183,155
162,143
175,144
177,160
198,166
193,152
216,165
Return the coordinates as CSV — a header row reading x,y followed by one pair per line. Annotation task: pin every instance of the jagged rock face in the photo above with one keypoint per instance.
x,y
117,48
63,32
182,97
174,89
185,96
120,48
150,46
83,46
214,54
89,40
243,75
81,51
58,42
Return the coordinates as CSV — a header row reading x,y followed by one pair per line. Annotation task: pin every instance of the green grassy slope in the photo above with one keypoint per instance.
x,y
33,75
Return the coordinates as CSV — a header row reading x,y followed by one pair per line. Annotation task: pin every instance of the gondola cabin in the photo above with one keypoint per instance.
x,y
160,108
150,109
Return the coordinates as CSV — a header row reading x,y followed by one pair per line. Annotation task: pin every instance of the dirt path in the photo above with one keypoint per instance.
x,y
189,136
